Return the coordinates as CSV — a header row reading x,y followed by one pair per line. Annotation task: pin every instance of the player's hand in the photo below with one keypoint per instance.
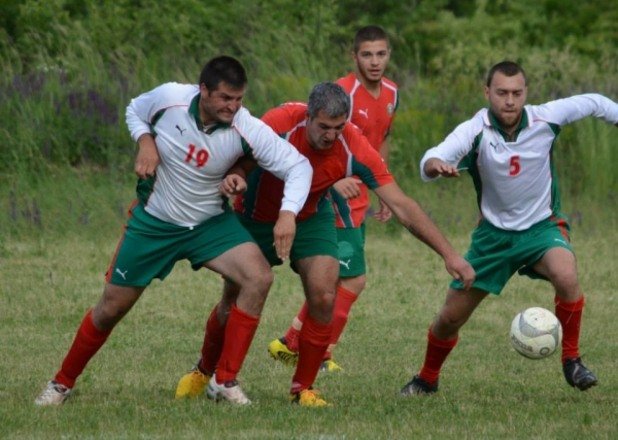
x,y
435,167
232,185
147,159
461,270
348,187
284,232
384,214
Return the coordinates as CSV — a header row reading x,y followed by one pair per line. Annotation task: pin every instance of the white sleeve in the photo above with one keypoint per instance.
x,y
567,110
279,157
456,145
137,117
141,110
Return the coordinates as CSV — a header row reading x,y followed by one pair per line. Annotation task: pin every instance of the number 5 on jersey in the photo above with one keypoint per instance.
x,y
514,166
200,156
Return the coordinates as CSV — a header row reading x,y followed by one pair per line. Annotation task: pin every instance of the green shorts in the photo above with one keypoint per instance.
x,y
496,254
316,235
150,247
351,242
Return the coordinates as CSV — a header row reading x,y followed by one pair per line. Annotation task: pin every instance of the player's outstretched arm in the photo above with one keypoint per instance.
x,y
435,167
414,219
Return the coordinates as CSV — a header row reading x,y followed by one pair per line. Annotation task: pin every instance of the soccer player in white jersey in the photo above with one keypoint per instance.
x,y
189,136
508,152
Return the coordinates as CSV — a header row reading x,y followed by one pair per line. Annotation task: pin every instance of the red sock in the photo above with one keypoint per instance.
x,y
213,343
343,303
239,332
87,342
312,344
291,336
570,316
437,351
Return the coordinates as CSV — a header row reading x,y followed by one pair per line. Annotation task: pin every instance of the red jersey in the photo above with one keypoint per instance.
x,y
374,117
351,154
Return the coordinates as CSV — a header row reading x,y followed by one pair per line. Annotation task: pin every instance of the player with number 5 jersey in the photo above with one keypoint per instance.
x,y
508,150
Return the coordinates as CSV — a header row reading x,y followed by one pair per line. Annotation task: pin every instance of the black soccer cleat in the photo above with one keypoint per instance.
x,y
418,386
577,375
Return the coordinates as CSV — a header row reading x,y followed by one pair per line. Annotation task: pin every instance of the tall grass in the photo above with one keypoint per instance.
x,y
63,202
70,69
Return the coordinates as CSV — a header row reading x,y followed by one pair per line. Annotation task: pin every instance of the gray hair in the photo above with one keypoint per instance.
x,y
330,98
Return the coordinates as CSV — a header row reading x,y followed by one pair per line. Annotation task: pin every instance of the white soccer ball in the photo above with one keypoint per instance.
x,y
536,333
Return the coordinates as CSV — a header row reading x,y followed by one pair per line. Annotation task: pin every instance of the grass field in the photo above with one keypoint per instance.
x,y
486,390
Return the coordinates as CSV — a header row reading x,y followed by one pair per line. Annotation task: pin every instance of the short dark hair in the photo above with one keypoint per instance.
x,y
508,68
223,69
330,98
369,33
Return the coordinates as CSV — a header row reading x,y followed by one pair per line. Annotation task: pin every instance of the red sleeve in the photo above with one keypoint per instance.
x,y
367,163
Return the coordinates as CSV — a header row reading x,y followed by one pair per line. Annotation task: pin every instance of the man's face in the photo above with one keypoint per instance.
x,y
507,96
322,130
220,104
371,60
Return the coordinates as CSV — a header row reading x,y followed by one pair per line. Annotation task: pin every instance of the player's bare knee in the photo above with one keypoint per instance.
x,y
442,330
323,315
264,280
354,284
259,281
106,315
329,294
568,291
449,323
565,283
323,302
327,301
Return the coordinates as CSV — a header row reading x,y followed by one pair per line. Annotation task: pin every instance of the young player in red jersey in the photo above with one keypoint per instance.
x,y
336,149
373,99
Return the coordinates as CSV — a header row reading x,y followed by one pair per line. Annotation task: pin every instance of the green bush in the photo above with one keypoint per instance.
x,y
71,66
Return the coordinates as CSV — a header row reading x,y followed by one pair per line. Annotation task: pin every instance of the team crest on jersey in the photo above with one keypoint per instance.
x,y
390,108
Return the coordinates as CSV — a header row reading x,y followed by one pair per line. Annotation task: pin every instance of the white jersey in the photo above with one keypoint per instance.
x,y
195,159
514,179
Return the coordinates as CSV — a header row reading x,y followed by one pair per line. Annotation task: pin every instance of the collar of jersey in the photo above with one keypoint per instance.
x,y
194,110
523,123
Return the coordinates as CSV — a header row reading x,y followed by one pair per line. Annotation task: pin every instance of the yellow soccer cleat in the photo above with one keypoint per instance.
x,y
192,384
330,366
309,398
280,352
